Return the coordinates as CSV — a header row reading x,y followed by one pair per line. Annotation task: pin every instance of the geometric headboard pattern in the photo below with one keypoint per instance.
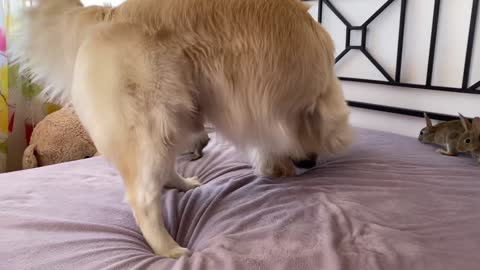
x,y
395,79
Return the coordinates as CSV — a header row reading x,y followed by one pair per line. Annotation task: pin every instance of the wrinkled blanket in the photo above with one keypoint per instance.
x,y
389,203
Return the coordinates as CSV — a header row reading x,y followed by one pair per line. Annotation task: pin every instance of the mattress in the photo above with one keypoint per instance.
x,y
389,203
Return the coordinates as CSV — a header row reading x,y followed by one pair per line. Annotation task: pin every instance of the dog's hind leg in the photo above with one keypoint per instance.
x,y
155,170
137,107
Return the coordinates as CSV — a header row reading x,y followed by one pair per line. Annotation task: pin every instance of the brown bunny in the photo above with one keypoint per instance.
x,y
444,134
470,139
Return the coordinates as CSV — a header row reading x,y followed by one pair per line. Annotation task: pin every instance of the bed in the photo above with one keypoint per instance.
x,y
389,203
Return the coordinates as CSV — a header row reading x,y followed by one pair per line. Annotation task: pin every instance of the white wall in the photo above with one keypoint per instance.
x,y
382,43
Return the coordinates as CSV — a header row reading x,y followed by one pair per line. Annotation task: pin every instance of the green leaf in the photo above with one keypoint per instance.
x,y
30,90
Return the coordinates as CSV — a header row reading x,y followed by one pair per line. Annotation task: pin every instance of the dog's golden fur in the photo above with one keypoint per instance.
x,y
145,75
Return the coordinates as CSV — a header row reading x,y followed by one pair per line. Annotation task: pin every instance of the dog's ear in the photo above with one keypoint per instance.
x,y
476,126
465,123
427,120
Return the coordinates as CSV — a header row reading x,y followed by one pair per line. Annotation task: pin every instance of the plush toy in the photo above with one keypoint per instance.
x,y
59,137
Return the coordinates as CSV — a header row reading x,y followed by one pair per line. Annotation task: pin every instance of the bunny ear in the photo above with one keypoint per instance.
x,y
465,123
476,126
427,120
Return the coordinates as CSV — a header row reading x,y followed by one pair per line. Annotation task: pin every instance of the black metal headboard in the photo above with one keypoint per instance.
x,y
396,80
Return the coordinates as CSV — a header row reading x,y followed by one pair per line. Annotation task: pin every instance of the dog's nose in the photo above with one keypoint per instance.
x,y
308,163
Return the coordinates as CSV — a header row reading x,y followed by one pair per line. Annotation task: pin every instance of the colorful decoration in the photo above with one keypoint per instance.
x,y
20,106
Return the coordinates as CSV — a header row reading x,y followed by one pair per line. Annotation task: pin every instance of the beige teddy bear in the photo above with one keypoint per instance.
x,y
59,137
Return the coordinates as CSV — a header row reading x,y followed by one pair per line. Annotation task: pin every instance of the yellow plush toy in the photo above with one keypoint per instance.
x,y
59,137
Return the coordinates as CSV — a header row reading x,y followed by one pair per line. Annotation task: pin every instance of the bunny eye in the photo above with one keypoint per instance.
x,y
468,140
422,132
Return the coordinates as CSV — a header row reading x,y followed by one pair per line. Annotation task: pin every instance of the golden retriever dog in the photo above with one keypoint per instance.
x,y
146,75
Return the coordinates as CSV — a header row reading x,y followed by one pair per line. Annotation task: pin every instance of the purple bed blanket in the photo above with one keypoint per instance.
x,y
390,203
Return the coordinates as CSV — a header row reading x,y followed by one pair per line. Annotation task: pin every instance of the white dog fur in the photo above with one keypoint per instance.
x,y
144,76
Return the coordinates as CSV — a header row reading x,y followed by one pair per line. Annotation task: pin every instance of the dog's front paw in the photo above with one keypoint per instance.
x,y
178,252
266,164
183,184
276,169
192,182
173,253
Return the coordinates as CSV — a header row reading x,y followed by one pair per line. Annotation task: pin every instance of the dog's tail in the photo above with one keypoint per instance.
x,y
46,43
